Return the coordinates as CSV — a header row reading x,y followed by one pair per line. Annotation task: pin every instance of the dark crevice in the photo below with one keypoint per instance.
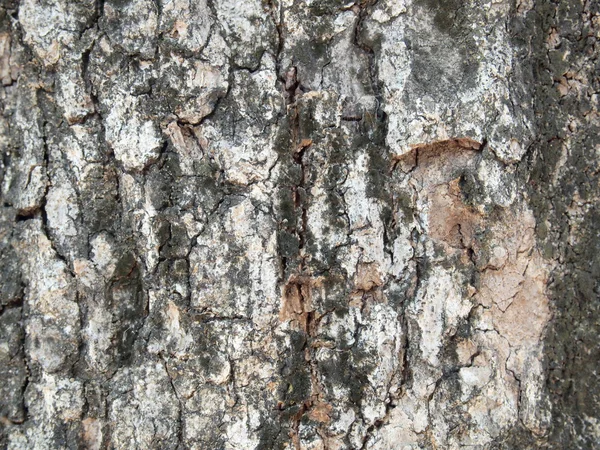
x,y
278,22
180,409
45,227
363,14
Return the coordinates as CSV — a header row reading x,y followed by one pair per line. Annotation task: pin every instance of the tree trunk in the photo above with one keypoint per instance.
x,y
312,225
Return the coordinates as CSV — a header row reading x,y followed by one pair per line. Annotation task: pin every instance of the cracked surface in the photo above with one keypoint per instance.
x,y
309,225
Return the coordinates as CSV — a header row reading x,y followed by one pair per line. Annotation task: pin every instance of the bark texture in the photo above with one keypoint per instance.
x,y
299,224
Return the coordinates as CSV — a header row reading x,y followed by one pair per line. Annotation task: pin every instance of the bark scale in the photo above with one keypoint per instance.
x,y
285,224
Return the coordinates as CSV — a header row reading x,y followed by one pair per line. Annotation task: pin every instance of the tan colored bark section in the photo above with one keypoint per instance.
x,y
500,360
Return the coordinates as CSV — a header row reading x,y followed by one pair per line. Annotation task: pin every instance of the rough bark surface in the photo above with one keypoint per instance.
x,y
299,224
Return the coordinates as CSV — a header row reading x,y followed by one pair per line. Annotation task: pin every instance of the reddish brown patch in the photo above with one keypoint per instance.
x,y
305,143
367,284
367,277
450,220
421,154
320,412
92,433
296,302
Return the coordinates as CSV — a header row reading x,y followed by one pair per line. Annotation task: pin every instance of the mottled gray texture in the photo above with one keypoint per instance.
x,y
310,225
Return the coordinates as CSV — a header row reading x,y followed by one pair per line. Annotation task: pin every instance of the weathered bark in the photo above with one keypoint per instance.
x,y
285,224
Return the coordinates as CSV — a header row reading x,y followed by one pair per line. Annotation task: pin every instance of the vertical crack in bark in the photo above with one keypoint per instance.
x,y
275,9
297,304
300,285
363,13
43,213
28,373
181,408
300,198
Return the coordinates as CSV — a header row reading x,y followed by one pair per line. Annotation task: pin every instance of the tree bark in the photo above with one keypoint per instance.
x,y
311,225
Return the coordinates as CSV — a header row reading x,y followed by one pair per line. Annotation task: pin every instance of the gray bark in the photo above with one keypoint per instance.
x,y
311,225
